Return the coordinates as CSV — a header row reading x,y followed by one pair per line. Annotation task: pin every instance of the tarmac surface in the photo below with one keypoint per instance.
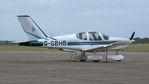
x,y
54,67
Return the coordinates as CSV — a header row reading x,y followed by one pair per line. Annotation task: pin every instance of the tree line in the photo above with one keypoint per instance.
x,y
137,40
141,40
6,42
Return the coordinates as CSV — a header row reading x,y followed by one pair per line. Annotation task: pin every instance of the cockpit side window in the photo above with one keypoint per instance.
x,y
82,36
106,37
94,36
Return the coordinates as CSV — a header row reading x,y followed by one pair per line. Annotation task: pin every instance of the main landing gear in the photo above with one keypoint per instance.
x,y
83,57
98,58
94,57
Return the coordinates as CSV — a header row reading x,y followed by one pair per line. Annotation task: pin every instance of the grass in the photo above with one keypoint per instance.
x,y
131,48
138,48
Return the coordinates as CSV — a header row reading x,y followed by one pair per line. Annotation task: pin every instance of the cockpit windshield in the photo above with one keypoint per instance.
x,y
94,36
82,36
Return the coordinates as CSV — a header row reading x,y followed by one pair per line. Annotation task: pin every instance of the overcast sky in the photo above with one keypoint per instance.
x,y
59,17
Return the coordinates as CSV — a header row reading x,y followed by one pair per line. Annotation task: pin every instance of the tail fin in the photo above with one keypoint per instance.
x,y
132,36
32,30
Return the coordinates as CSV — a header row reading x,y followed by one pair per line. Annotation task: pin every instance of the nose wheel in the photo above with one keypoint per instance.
x,y
94,57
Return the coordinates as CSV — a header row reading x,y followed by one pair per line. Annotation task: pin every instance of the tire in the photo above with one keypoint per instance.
x,y
96,60
118,60
82,60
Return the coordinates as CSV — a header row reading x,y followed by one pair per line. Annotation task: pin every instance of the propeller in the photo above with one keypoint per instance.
x,y
132,36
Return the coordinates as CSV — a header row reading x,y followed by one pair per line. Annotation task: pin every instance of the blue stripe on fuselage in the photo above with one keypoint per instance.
x,y
37,43
91,43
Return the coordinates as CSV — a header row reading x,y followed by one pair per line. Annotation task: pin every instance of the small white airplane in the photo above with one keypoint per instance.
x,y
78,42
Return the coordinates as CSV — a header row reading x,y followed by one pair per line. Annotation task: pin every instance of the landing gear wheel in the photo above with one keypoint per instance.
x,y
82,60
96,60
118,60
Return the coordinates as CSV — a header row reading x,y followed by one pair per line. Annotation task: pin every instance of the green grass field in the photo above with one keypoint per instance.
x,y
138,48
132,48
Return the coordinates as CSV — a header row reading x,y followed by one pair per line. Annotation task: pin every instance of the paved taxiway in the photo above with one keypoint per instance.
x,y
54,67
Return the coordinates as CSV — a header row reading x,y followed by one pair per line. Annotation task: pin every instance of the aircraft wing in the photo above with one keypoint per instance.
x,y
104,47
66,48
